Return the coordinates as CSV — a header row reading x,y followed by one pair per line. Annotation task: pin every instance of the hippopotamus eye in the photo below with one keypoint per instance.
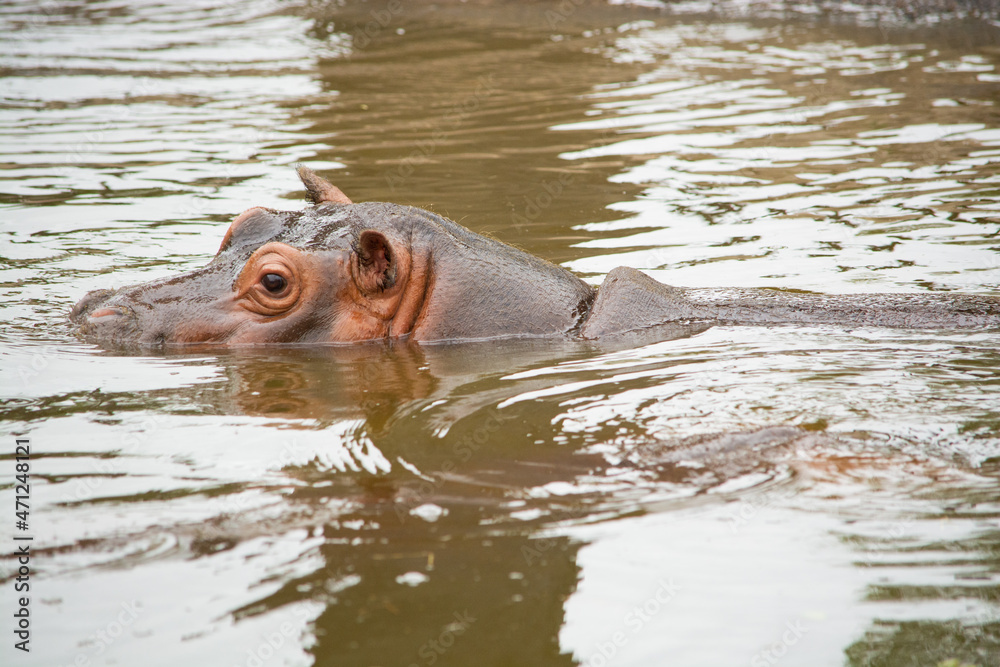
x,y
273,283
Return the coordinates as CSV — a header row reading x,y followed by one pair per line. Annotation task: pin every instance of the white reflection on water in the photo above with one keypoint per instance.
x,y
901,389
714,556
709,565
146,111
188,616
798,189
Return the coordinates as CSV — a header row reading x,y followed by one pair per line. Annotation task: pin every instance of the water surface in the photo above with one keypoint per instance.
x,y
789,495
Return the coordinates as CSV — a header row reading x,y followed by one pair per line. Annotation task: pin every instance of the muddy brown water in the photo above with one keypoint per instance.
x,y
729,496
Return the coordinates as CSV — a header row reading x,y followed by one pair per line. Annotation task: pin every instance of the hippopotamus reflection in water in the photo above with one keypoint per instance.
x,y
342,272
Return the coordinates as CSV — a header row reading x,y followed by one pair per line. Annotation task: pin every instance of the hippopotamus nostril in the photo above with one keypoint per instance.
x,y
90,302
114,310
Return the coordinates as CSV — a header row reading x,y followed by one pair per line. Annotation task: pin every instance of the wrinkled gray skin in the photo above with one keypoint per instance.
x,y
352,272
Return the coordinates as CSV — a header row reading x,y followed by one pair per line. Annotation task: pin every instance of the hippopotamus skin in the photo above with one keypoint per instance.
x,y
345,272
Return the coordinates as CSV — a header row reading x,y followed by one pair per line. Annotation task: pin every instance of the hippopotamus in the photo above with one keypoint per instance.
x,y
342,272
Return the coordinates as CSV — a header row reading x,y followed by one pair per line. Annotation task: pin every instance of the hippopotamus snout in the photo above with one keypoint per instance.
x,y
90,302
99,315
183,309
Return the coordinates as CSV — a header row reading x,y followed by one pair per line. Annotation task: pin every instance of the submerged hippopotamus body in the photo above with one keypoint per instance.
x,y
344,272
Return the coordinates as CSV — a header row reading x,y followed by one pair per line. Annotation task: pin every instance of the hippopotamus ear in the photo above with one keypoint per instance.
x,y
252,227
376,262
320,190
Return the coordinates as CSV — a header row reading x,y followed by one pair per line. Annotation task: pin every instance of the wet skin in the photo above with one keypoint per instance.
x,y
344,272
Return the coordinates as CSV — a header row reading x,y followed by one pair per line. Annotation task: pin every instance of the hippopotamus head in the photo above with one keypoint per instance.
x,y
342,272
